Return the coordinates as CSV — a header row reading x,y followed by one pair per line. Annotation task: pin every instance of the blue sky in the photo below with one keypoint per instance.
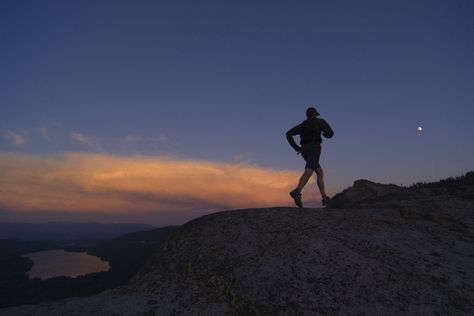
x,y
222,81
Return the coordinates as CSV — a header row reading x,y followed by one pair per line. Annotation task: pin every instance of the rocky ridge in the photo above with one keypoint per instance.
x,y
379,250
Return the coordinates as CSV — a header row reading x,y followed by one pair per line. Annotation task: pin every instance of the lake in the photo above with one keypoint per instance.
x,y
54,263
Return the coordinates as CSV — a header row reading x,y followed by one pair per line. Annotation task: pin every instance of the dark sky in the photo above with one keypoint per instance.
x,y
222,81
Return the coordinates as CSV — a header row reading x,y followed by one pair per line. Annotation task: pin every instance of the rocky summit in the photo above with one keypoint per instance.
x,y
395,252
364,191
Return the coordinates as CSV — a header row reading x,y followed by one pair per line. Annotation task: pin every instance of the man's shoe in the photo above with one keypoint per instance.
x,y
326,200
296,195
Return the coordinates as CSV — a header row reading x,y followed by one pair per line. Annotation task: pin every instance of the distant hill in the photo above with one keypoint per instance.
x,y
62,231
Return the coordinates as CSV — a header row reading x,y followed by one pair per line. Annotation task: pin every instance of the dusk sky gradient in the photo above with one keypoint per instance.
x,y
206,91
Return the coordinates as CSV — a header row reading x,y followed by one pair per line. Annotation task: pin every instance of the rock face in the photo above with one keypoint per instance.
x,y
395,256
365,191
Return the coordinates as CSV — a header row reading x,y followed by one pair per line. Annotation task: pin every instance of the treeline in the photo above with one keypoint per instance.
x,y
32,291
12,265
451,182
125,254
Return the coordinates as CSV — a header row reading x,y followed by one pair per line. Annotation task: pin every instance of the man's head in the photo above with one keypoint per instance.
x,y
311,112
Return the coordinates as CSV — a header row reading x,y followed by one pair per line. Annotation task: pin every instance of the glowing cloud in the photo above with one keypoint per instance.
x,y
14,139
85,182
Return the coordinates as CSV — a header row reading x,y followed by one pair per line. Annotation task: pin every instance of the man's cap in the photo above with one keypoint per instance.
x,y
311,111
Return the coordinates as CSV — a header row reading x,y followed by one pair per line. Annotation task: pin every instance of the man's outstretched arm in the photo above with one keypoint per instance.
x,y
289,136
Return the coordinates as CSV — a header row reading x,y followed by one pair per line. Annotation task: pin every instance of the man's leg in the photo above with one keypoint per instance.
x,y
296,193
304,178
320,181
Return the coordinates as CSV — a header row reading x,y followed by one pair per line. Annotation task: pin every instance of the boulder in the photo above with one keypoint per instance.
x,y
365,191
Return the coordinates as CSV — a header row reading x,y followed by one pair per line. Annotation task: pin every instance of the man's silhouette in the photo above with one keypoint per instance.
x,y
310,139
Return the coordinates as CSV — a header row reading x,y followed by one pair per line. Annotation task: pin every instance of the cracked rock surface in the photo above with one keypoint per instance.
x,y
397,257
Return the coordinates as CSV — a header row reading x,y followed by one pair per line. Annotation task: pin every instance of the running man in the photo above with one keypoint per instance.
x,y
310,139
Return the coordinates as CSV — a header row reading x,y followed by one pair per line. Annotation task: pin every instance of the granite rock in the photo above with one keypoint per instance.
x,y
398,256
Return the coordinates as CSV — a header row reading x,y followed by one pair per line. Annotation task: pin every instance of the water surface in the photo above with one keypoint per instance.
x,y
54,263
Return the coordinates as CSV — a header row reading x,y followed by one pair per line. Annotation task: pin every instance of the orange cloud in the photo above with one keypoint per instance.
x,y
86,182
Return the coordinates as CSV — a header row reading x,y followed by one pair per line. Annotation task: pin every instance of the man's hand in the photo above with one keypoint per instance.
x,y
298,151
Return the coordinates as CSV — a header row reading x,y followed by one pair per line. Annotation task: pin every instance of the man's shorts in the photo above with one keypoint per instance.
x,y
311,153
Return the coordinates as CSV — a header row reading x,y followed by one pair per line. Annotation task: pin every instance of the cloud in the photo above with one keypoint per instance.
x,y
91,142
162,137
80,138
87,182
137,138
14,139
133,138
44,132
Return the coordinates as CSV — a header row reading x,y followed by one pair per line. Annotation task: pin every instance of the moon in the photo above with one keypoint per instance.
x,y
419,128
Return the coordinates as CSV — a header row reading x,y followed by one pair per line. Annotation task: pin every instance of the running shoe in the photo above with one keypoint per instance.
x,y
296,195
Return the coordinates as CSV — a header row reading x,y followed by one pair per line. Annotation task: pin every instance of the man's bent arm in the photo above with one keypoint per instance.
x,y
289,136
327,130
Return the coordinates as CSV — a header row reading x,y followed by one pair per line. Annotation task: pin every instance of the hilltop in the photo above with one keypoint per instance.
x,y
381,249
